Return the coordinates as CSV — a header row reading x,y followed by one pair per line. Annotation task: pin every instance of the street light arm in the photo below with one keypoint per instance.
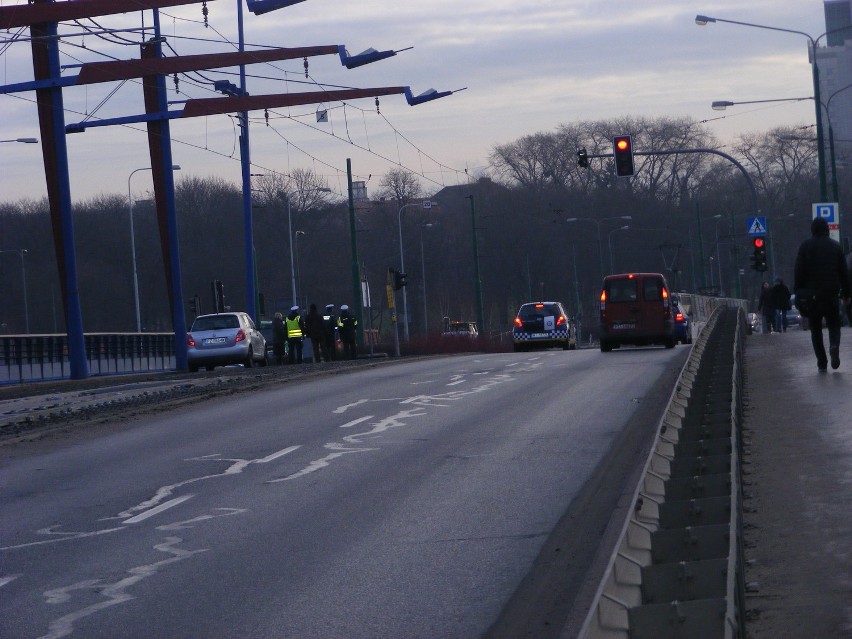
x,y
704,20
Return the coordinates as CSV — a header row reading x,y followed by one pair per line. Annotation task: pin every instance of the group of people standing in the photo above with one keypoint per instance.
x,y
323,331
773,304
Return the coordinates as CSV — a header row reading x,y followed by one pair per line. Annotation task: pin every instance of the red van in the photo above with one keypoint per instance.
x,y
635,309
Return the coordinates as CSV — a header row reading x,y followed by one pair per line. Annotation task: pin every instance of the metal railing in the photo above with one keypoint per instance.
x,y
30,358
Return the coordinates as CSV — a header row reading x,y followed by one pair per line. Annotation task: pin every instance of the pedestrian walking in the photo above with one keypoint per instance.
x,y
766,307
821,274
279,338
329,322
781,301
348,326
295,335
315,330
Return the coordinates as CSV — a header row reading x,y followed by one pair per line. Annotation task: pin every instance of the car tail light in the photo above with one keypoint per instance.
x,y
679,317
603,304
241,335
190,340
518,322
561,320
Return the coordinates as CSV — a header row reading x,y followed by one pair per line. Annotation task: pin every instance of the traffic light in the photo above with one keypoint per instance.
x,y
399,280
759,256
622,151
582,158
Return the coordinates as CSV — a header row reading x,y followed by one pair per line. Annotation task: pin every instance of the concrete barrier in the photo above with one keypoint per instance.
x,y
677,571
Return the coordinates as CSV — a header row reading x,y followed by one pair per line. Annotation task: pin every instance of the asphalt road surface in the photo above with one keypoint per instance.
x,y
430,498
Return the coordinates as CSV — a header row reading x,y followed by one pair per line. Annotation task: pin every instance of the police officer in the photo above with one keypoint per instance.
x,y
295,335
348,325
329,323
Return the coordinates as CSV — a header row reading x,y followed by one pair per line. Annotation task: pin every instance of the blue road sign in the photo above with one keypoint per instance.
x,y
828,211
756,226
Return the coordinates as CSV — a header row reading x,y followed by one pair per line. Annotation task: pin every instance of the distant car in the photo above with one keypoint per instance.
x,y
543,324
222,339
682,331
461,329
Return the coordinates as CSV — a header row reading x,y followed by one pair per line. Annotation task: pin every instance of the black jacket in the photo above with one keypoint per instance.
x,y
821,267
781,296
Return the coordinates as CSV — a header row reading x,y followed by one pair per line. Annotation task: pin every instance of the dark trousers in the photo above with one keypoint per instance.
x,y
349,349
295,355
329,348
828,309
278,352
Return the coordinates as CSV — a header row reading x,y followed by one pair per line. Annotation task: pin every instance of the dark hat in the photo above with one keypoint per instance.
x,y
819,226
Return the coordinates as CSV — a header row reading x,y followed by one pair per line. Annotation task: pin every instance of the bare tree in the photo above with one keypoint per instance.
x,y
400,185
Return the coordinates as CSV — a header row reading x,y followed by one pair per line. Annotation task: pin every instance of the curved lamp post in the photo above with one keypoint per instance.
x,y
426,204
701,20
175,167
598,223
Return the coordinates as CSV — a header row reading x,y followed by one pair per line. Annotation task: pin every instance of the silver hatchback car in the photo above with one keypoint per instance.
x,y
222,339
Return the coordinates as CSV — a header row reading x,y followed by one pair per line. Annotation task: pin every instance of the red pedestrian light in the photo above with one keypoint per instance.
x,y
759,242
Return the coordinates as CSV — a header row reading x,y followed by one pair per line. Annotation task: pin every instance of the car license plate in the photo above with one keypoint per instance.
x,y
215,340
623,326
534,335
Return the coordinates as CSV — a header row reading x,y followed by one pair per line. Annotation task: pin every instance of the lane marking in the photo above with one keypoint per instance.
x,y
61,537
356,421
157,510
319,464
9,579
274,456
461,381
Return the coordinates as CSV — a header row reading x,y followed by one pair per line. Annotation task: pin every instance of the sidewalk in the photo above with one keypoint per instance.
x,y
798,489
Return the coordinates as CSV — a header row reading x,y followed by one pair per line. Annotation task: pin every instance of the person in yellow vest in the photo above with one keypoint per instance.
x,y
295,335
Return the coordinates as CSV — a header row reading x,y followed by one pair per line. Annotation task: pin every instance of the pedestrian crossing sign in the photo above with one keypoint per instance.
x,y
756,226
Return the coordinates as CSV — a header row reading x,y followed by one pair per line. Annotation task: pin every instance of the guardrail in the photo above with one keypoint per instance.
x,y
677,571
29,358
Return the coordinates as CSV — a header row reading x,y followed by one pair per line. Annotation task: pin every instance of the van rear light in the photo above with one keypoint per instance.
x,y
241,335
190,340
679,317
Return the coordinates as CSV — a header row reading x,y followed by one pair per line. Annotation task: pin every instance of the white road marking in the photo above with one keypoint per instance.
x,y
319,464
461,381
182,525
157,510
8,580
113,593
345,407
61,537
356,421
274,456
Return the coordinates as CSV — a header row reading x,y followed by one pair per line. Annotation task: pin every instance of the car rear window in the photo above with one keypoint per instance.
x,y
215,323
533,311
652,289
622,290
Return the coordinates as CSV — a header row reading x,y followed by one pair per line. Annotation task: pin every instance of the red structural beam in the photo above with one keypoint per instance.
x,y
25,15
110,71
216,106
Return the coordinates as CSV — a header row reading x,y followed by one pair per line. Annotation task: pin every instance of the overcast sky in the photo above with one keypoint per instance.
x,y
528,65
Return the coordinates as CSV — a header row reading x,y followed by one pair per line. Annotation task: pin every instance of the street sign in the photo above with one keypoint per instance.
x,y
830,212
756,226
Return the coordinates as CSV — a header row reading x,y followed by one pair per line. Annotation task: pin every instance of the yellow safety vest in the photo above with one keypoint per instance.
x,y
293,328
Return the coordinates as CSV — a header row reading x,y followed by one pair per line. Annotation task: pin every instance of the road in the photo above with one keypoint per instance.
x,y
413,499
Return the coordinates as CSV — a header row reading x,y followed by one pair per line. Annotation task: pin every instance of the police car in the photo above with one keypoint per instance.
x,y
543,325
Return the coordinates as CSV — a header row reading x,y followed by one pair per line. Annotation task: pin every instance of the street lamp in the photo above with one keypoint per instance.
x,y
423,277
426,204
319,189
598,223
704,20
298,270
175,167
21,253
609,242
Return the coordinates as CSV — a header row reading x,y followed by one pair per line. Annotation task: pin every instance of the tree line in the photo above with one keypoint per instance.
x,y
685,216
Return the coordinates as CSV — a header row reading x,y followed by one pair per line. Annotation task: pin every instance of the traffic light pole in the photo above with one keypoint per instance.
x,y
731,159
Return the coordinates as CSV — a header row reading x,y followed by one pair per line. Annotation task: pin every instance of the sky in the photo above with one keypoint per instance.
x,y
527,66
